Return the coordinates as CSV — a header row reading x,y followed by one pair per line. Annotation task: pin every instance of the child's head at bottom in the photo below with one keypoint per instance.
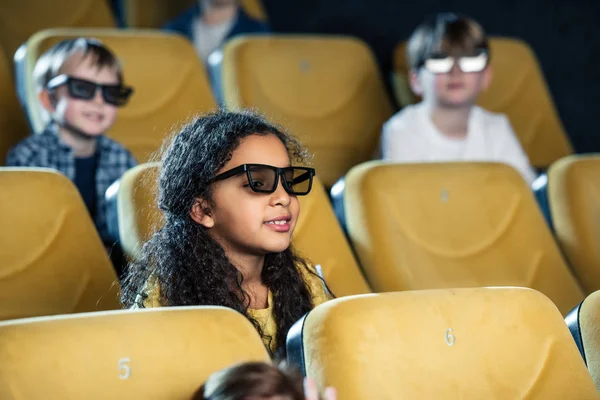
x,y
252,381
228,190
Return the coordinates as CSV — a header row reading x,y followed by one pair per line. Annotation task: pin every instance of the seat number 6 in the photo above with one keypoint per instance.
x,y
450,338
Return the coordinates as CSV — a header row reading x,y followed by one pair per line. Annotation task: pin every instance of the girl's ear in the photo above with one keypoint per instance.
x,y
200,213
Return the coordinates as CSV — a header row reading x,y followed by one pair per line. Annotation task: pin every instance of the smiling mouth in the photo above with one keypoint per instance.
x,y
281,222
94,116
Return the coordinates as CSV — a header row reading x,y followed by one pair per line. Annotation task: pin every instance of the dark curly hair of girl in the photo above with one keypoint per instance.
x,y
191,268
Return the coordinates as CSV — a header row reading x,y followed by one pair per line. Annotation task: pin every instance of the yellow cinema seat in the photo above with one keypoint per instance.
x,y
52,260
584,324
19,19
475,343
319,237
13,127
438,225
326,90
161,353
156,13
574,199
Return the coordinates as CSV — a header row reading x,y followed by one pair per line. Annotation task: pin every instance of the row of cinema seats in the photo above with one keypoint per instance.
x,y
260,72
58,277
52,260
477,343
317,235
428,226
437,226
335,105
155,13
21,19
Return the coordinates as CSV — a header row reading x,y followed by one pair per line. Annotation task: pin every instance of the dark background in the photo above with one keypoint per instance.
x,y
565,35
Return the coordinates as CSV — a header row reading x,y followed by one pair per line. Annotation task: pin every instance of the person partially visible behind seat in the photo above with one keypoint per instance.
x,y
448,56
210,23
260,380
80,86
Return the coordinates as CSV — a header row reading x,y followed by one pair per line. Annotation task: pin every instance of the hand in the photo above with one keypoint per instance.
x,y
312,393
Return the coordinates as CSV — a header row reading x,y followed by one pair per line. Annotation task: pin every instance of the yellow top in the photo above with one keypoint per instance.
x,y
264,317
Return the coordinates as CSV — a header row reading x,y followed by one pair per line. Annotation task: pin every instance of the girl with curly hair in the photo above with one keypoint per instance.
x,y
228,192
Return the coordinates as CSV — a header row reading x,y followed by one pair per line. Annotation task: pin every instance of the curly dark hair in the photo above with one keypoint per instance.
x,y
191,268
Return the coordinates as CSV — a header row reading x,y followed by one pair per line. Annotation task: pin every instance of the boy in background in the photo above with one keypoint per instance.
x,y
80,86
210,23
449,59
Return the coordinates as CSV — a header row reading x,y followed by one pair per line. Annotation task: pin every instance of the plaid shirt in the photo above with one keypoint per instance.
x,y
46,150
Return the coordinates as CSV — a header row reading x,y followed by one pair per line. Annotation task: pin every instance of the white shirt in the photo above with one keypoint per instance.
x,y
208,38
411,136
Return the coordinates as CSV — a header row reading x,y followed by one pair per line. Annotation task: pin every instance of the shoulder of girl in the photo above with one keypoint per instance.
x,y
307,270
315,282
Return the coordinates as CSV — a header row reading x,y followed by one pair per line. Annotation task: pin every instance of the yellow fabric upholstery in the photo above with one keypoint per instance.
x,y
317,237
519,90
589,320
164,353
52,261
335,104
13,127
137,207
170,83
480,343
435,225
255,9
574,197
155,13
22,18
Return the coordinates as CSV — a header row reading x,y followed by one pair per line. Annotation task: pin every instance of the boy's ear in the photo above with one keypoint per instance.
x,y
200,213
46,100
415,82
487,77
